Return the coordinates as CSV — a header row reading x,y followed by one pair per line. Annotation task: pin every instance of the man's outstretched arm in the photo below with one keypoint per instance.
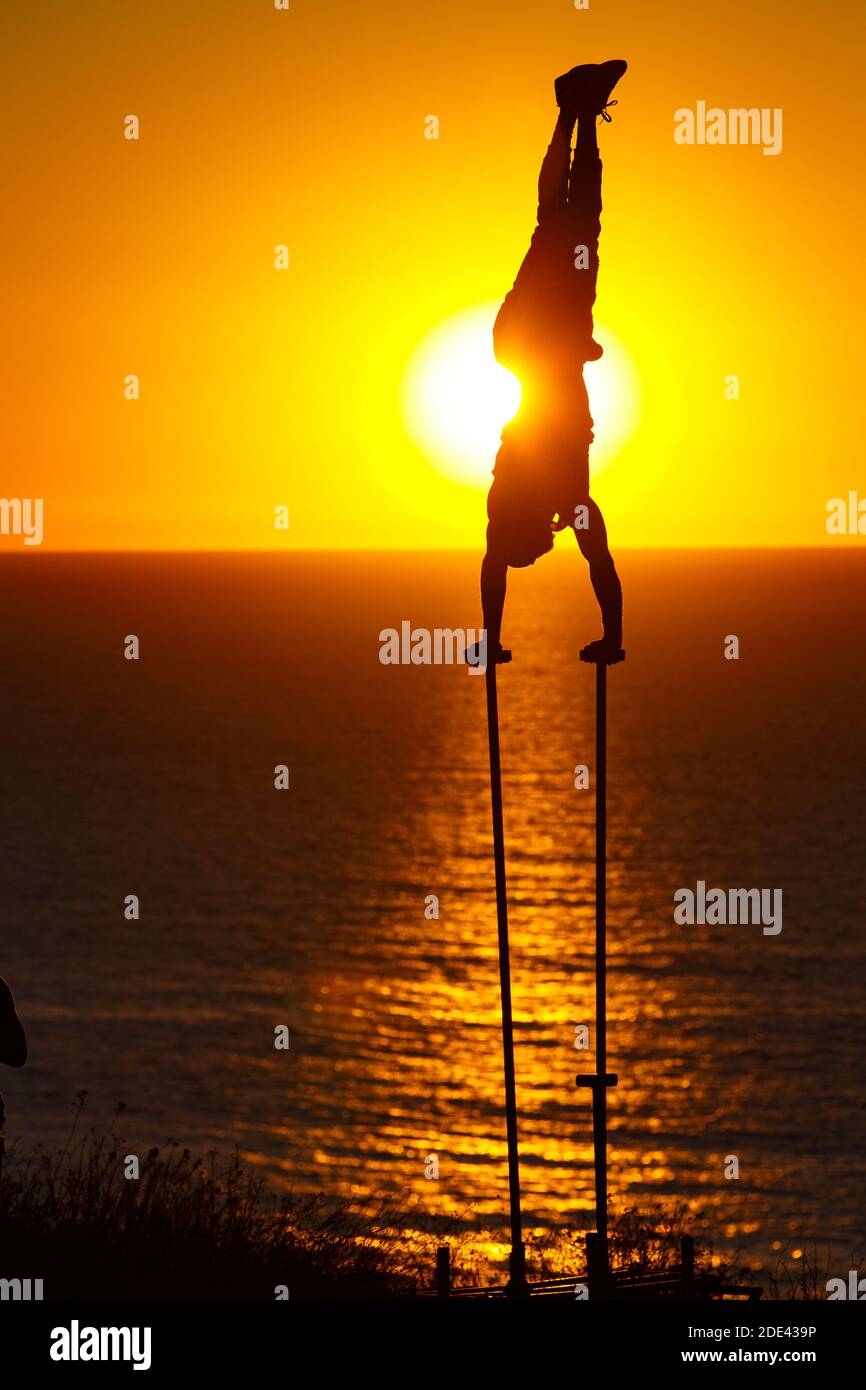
x,y
494,572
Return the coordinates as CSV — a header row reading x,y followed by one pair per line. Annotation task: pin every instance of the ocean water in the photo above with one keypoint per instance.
x,y
307,907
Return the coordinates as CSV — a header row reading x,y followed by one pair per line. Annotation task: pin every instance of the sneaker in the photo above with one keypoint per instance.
x,y
588,87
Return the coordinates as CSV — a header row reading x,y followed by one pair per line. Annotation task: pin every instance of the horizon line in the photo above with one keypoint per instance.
x,y
826,546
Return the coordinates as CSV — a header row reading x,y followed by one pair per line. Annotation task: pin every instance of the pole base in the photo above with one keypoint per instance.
x,y
517,1286
597,1264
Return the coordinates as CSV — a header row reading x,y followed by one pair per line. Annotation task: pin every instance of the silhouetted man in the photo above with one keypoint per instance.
x,y
13,1046
543,333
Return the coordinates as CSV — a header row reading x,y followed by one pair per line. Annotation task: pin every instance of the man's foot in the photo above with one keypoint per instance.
x,y
603,652
587,88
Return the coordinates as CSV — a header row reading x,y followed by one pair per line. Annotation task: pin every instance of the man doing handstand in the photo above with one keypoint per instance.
x,y
543,333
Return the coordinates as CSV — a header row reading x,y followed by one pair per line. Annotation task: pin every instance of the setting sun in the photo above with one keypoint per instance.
x,y
456,397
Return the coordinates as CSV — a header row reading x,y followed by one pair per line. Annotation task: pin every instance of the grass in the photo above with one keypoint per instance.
x,y
189,1228
193,1228
807,1275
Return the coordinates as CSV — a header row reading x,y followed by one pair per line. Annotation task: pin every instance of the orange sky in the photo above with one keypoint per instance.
x,y
261,387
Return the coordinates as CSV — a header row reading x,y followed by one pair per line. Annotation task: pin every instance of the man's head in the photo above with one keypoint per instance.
x,y
525,549
519,531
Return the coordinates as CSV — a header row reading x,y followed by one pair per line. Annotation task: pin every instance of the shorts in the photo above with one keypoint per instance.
x,y
524,499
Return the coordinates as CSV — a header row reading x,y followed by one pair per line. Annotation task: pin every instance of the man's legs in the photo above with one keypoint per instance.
x,y
553,177
583,214
569,208
584,184
605,581
516,328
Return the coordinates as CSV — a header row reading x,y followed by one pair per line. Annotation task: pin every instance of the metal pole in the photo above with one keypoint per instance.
x,y
599,1081
517,1286
599,1095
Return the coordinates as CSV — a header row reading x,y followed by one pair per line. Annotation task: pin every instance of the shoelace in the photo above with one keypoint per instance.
x,y
604,115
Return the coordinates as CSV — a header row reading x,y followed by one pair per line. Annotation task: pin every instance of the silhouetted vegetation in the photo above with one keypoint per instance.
x,y
193,1228
188,1228
804,1274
